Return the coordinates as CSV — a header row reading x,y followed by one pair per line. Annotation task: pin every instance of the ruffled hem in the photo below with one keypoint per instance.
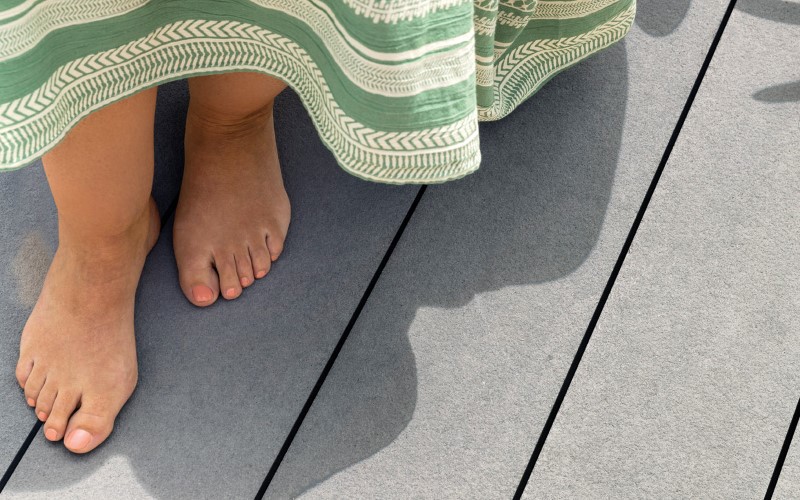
x,y
34,123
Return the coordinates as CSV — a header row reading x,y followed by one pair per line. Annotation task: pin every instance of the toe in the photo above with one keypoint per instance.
x,y
228,277
63,408
90,425
199,282
34,384
244,268
47,396
259,256
275,243
24,367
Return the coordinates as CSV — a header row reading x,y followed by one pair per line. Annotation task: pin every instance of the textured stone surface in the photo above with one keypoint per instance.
x,y
449,374
690,380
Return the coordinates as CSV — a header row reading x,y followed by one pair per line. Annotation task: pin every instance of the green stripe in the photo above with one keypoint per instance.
x,y
422,136
431,109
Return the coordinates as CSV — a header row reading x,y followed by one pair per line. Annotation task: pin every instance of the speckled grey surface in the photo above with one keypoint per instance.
x,y
29,238
220,387
788,486
29,234
449,374
690,380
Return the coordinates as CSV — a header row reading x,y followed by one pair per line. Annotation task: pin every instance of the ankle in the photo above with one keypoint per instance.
x,y
222,124
109,239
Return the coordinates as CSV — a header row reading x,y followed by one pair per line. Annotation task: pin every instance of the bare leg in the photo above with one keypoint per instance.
x,y
233,212
77,353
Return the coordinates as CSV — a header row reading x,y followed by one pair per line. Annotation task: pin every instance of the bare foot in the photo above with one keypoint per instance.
x,y
77,359
233,212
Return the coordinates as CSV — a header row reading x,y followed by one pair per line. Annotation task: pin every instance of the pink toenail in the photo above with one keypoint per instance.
x,y
261,274
230,292
78,439
42,416
51,434
202,293
245,281
31,402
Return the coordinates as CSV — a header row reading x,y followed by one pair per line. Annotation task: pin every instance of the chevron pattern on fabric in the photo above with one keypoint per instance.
x,y
392,11
45,17
527,67
555,9
395,89
32,121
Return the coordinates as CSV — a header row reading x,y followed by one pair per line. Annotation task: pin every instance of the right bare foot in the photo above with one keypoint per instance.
x,y
77,359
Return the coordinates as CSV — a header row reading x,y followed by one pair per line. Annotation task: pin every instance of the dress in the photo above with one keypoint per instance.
x,y
395,88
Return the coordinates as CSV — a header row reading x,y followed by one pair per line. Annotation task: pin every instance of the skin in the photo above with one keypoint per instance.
x,y
77,361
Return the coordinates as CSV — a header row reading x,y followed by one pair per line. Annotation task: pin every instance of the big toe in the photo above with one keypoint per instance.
x,y
88,427
200,284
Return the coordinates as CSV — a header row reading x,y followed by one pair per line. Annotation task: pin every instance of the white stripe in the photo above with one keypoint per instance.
x,y
292,8
162,42
388,80
306,13
569,10
24,33
19,9
434,68
392,11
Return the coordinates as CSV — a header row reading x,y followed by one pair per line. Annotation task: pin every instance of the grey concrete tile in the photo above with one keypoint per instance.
x,y
448,376
789,480
220,387
30,236
690,379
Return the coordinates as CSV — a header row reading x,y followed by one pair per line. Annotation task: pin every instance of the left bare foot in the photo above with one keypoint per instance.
x,y
233,212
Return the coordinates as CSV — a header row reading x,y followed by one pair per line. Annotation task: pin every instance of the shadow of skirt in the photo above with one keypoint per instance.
x,y
395,88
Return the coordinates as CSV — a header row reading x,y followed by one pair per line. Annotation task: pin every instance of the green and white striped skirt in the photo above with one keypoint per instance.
x,y
395,88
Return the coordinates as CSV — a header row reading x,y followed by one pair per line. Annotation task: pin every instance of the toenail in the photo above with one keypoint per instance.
x,y
42,416
31,402
78,439
230,292
51,434
245,281
261,274
202,293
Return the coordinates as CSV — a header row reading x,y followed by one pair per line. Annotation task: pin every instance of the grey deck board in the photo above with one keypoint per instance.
x,y
690,379
28,229
29,237
789,480
449,373
220,387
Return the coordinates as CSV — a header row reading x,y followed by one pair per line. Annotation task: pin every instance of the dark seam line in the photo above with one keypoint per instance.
x,y
784,451
169,211
321,380
20,453
621,259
